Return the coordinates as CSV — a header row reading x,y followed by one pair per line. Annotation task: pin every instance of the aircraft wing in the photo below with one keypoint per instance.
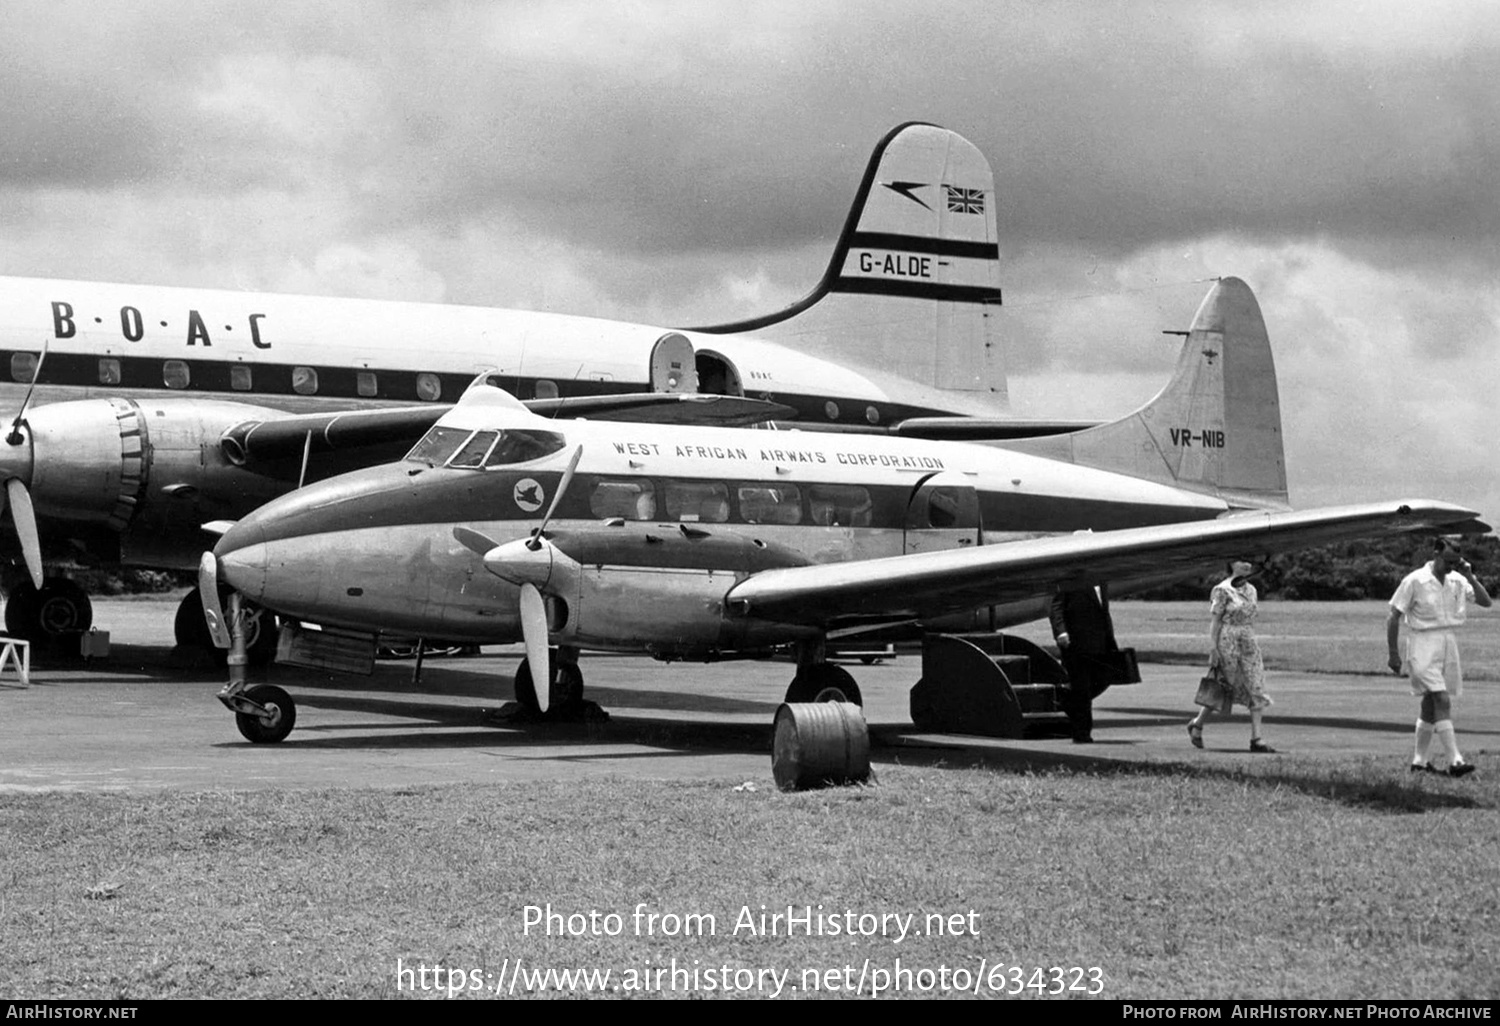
x,y
287,436
929,584
349,429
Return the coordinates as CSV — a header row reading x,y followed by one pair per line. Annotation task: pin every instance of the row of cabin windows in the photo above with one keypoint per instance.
x,y
178,375
709,502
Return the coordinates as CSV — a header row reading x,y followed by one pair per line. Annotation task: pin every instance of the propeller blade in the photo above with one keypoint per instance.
x,y
562,488
24,516
15,437
473,541
208,593
534,631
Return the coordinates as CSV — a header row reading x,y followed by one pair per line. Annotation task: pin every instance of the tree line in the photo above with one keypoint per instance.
x,y
1345,571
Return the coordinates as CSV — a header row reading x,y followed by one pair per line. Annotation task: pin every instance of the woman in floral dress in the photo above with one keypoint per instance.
x,y
1234,650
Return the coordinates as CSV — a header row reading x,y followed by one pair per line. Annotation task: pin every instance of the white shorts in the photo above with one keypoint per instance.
x,y
1432,662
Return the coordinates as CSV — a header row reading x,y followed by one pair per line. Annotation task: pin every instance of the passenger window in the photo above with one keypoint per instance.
x,y
175,374
109,371
546,389
629,500
240,377
365,384
429,388
943,507
304,381
701,501
762,505
839,505
520,446
472,454
22,367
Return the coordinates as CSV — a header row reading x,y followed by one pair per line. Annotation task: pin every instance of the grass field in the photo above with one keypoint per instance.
x,y
1305,876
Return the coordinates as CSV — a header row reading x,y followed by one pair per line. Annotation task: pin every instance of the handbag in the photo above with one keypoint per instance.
x,y
1213,692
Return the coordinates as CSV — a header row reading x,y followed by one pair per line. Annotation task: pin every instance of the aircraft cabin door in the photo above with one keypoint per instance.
x,y
673,364
943,513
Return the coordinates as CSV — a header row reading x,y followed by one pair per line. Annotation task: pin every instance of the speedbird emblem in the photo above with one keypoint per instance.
x,y
905,189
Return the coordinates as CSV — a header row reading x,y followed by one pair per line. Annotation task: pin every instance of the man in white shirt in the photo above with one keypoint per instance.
x,y
1433,602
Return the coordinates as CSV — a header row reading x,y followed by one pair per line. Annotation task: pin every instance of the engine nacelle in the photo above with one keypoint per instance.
x,y
149,471
661,588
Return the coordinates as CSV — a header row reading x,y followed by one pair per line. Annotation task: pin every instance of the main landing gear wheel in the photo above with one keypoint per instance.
x,y
824,682
566,694
275,723
59,608
191,630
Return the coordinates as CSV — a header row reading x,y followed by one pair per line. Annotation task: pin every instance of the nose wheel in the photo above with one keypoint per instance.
x,y
265,714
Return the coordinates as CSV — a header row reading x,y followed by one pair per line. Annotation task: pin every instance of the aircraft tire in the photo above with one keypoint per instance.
x,y
61,607
20,611
824,683
258,731
191,631
567,688
189,628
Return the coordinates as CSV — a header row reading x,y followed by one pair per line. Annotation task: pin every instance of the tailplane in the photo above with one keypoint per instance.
x,y
914,282
1215,428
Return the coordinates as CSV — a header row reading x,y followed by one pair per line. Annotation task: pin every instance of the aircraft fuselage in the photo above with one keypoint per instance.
x,y
661,522
303,353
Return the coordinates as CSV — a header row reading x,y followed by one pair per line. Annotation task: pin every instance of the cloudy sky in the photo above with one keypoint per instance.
x,y
684,162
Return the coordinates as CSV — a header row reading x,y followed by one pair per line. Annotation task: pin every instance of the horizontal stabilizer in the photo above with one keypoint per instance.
x,y
951,429
985,429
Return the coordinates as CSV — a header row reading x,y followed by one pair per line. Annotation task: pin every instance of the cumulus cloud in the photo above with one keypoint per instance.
x,y
679,162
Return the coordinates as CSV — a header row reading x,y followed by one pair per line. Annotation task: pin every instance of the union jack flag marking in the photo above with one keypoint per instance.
x,y
964,201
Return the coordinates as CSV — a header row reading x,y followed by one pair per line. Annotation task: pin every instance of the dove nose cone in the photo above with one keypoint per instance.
x,y
244,559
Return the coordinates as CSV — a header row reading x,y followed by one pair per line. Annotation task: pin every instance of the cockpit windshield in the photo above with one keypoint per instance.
x,y
472,450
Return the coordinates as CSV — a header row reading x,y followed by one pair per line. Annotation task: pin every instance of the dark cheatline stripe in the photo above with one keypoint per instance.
x,y
917,290
926,244
392,497
209,377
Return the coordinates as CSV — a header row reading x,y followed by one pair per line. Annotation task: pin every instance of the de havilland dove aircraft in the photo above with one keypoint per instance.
x,y
692,542
145,412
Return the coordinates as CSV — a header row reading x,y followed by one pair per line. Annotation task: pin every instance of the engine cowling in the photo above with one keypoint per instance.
x,y
660,588
148,471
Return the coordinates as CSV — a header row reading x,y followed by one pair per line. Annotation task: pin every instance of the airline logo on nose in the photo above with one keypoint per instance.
x,y
528,495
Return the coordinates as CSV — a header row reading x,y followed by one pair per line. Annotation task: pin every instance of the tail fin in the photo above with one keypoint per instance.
x,y
1215,428
916,272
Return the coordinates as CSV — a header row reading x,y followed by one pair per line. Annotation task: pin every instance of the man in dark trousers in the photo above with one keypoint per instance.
x,y
1085,638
